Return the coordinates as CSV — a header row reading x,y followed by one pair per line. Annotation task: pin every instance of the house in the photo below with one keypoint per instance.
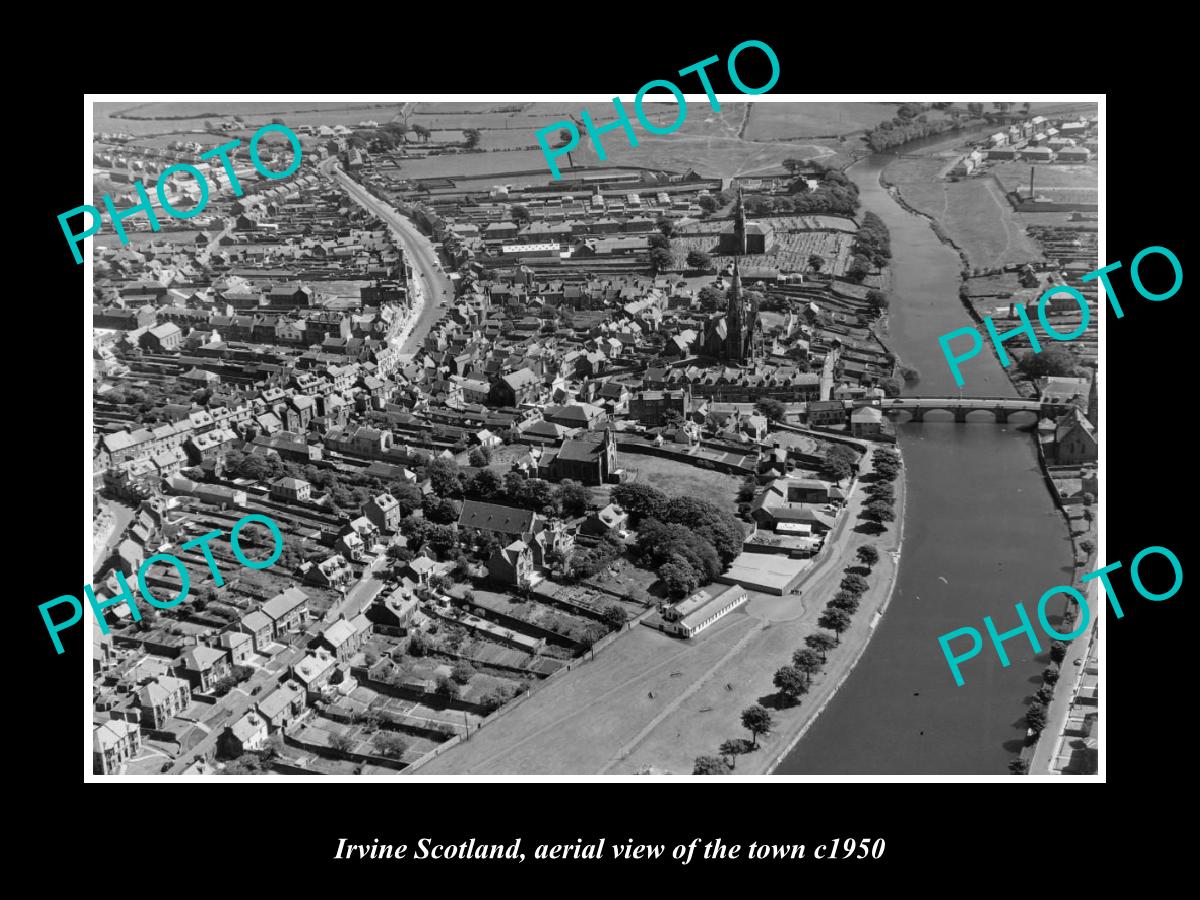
x,y
1074,439
331,572
113,743
825,413
314,671
394,611
204,667
345,636
238,644
162,699
515,388
287,611
351,546
512,565
866,421
246,734
259,627
384,512
291,489
284,705
606,521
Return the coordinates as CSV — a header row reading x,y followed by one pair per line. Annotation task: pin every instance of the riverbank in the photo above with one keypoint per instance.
x,y
1036,749
792,724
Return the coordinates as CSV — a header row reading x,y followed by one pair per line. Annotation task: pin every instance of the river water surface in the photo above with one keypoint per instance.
x,y
981,533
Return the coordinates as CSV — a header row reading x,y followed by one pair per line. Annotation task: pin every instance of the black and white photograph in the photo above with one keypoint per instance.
x,y
737,436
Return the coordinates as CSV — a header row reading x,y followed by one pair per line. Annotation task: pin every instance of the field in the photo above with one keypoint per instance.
x,y
1062,182
973,212
675,478
784,121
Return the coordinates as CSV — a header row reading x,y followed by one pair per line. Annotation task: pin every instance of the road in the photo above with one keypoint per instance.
x,y
431,284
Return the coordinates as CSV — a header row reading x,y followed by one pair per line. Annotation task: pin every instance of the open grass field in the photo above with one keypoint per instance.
x,y
674,478
973,212
785,121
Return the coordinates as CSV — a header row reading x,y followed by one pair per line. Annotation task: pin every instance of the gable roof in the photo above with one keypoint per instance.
x,y
494,517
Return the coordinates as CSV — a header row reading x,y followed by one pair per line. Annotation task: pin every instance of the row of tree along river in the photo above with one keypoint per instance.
x,y
981,532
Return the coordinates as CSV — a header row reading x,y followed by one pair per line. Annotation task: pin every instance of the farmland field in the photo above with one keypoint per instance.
x,y
779,121
974,212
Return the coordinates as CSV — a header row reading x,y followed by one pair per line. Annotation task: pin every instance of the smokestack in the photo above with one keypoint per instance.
x,y
1031,168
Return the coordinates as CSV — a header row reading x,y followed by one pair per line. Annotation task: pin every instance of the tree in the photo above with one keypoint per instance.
x,y
821,643
341,743
757,720
793,165
1053,362
661,259
868,555
807,661
771,408
659,241
665,225
573,498
840,461
846,600
816,262
519,214
418,644
444,478
615,616
836,620
879,511
733,748
422,132
747,490
473,136
641,501
710,765
1019,766
1050,676
481,456
483,485
1058,651
878,300
462,671
698,259
1086,546
711,298
891,386
1035,718
447,688
390,745
792,683
708,204
679,577
859,269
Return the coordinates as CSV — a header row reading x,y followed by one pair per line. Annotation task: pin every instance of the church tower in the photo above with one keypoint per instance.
x,y
735,326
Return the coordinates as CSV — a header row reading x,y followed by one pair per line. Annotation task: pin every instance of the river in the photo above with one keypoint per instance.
x,y
981,533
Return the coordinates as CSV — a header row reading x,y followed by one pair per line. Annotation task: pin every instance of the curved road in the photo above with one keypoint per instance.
x,y
430,284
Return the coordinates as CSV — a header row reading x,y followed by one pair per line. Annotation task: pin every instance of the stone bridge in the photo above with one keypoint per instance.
x,y
1000,407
